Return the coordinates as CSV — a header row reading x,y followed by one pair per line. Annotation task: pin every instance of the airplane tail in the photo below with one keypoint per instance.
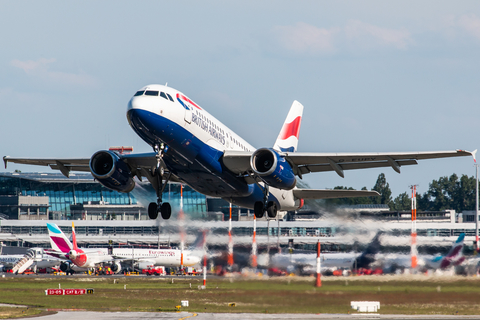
x,y
58,240
287,140
368,256
199,242
74,237
455,256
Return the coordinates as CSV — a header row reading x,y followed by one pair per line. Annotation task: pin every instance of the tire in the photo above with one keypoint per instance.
x,y
166,210
272,209
258,209
152,211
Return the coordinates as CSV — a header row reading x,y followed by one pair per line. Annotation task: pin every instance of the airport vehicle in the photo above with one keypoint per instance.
x,y
143,258
191,146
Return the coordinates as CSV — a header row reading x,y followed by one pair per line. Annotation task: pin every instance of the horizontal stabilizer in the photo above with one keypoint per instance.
x,y
332,194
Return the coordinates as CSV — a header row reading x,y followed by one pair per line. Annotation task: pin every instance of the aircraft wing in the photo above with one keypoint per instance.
x,y
332,194
139,163
306,162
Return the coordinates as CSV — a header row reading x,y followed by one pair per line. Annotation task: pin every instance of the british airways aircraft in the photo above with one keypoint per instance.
x,y
192,147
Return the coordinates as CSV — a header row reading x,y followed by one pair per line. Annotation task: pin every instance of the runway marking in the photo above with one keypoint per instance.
x,y
193,315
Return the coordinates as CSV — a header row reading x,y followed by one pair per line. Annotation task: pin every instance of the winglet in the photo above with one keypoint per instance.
x,y
287,140
74,237
474,154
5,161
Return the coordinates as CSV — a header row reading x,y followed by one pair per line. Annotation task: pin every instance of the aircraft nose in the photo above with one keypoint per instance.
x,y
134,103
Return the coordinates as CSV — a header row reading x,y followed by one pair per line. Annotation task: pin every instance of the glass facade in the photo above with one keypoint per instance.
x,y
83,189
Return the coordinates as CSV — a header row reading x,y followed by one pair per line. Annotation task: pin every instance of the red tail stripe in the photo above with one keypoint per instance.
x,y
291,129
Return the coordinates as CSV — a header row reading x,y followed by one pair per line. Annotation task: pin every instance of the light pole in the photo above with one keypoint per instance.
x,y
476,206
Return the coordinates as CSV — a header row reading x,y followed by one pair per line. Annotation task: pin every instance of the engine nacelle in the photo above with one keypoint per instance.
x,y
111,171
273,168
116,266
65,266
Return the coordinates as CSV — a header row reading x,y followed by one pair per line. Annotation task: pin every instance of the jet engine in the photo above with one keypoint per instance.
x,y
273,168
66,266
116,266
111,171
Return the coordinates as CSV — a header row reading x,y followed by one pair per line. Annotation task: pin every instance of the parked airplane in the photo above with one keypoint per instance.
x,y
392,261
143,258
191,146
305,263
36,258
82,258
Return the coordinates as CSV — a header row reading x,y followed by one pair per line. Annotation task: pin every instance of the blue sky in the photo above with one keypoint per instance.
x,y
373,76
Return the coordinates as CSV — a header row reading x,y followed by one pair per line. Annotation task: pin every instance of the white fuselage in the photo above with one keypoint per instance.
x,y
196,131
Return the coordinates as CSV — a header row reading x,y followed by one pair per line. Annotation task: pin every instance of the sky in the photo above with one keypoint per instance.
x,y
373,76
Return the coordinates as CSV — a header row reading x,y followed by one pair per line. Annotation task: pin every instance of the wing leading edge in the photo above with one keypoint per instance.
x,y
141,164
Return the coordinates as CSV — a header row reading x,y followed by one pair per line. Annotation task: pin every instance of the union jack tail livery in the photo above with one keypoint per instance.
x,y
58,240
287,140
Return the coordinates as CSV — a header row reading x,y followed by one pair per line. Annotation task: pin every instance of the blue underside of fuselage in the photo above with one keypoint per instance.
x,y
193,161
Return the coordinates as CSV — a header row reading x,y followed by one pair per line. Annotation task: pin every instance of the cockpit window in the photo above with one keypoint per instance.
x,y
151,93
170,97
162,94
138,93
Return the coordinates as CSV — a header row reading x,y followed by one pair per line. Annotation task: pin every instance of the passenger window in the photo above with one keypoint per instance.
x,y
163,95
138,93
170,97
151,93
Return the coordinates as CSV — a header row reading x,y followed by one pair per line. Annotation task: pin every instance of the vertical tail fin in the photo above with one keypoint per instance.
x,y
74,237
58,240
287,140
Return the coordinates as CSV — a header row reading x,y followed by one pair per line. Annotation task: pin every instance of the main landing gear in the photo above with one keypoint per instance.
x,y
260,207
159,185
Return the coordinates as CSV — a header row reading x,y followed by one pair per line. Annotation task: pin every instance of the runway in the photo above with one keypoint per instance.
x,y
81,315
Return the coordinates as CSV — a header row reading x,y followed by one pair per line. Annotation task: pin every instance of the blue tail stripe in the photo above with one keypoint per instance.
x,y
53,228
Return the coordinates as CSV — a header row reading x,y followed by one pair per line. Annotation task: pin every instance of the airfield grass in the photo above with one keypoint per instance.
x,y
275,295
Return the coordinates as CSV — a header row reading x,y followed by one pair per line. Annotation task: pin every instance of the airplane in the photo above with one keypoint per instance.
x,y
305,262
191,146
81,258
454,257
38,259
392,261
90,258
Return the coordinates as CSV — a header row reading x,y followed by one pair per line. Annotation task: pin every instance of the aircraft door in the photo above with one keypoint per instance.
x,y
188,114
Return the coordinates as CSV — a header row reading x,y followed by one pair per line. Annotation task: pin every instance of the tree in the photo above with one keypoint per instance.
x,y
402,202
449,193
382,187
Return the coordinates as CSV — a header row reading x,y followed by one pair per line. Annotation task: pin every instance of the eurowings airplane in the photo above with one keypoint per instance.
x,y
306,263
82,258
454,257
90,258
193,147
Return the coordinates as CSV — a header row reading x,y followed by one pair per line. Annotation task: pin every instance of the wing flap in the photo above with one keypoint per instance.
x,y
304,158
352,166
332,194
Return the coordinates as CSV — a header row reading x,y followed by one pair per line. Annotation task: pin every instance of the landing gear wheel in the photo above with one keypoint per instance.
x,y
152,210
258,209
272,209
166,210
